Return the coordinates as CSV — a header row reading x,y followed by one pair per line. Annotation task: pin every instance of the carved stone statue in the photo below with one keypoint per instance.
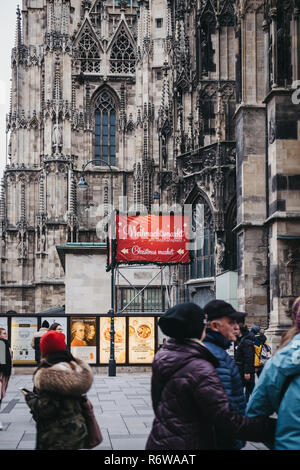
x,y
220,255
3,247
57,138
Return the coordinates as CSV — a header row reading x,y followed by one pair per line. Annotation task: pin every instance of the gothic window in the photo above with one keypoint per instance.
x,y
206,31
284,45
203,264
231,237
95,14
208,112
105,129
122,57
88,52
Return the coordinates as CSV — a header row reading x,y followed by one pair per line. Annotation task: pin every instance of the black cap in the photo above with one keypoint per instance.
x,y
219,308
186,320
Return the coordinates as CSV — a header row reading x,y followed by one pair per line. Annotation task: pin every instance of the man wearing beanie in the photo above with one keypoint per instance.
x,y
188,398
55,403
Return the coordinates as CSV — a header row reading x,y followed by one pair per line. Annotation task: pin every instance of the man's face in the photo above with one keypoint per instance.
x,y
228,327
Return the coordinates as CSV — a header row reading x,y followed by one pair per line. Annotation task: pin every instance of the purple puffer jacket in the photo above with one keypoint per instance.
x,y
190,402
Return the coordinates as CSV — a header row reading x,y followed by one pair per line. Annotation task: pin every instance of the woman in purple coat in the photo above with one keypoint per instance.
x,y
188,399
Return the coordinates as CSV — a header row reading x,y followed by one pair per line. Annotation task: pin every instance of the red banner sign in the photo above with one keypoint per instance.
x,y
160,239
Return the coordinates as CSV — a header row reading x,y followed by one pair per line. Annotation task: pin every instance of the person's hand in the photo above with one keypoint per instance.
x,y
247,376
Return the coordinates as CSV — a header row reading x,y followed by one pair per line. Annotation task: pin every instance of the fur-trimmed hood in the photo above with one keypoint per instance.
x,y
65,378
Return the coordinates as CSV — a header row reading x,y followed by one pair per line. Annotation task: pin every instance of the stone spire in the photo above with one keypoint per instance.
x,y
19,40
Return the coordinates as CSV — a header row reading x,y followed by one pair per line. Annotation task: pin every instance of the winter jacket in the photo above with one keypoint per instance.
x,y
230,378
55,405
5,358
265,398
244,354
35,342
190,402
38,334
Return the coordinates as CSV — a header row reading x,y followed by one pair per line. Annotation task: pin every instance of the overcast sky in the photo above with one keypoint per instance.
x,y
7,42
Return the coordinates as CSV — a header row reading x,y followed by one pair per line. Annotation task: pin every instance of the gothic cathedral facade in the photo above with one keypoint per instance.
x,y
191,100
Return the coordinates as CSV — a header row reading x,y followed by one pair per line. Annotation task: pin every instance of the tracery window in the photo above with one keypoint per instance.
x,y
122,57
88,52
105,128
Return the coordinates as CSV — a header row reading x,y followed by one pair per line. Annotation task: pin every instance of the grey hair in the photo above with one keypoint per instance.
x,y
217,320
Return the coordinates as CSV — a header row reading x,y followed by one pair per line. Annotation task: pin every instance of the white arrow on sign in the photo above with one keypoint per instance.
x,y
124,251
180,252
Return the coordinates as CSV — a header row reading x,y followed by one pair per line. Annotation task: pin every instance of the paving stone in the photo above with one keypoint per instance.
x,y
129,444
122,406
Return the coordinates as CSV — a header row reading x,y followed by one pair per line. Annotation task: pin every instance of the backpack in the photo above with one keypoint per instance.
x,y
257,357
266,353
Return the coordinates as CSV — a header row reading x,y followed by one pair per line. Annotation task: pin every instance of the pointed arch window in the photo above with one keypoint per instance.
x,y
105,128
203,264
122,57
88,52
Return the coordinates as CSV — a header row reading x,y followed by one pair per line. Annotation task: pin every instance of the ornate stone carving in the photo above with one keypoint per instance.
x,y
87,51
122,56
57,139
220,255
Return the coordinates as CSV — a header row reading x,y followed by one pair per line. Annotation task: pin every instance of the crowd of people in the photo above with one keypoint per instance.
x,y
205,399
202,396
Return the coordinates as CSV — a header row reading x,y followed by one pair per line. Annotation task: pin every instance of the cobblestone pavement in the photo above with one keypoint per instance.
x,y
122,405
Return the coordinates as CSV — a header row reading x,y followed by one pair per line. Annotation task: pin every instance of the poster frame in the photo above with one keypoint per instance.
x,y
68,316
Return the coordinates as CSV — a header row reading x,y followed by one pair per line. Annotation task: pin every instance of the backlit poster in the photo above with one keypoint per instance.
x,y
141,340
120,340
22,331
83,339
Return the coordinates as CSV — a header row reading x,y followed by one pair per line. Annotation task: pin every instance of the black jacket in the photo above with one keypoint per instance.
x,y
244,354
6,355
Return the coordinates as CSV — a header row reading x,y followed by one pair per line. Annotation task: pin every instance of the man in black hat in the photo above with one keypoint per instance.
x,y
222,330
